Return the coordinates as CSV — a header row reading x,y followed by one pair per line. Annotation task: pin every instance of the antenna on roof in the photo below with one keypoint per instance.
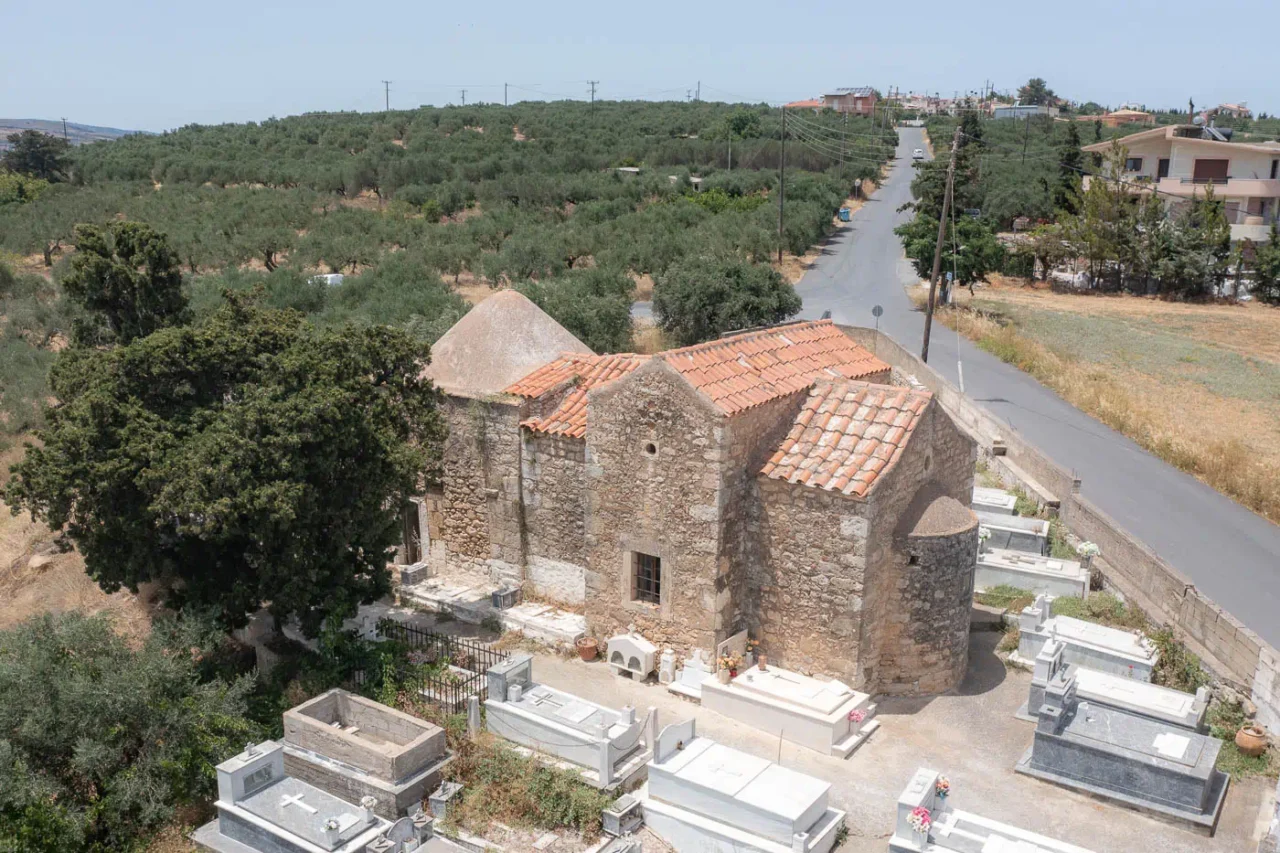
x,y
826,315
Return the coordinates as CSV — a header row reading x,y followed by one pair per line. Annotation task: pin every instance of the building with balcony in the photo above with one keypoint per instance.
x,y
1181,161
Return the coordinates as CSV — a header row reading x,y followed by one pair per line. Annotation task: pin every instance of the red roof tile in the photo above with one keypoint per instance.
x,y
829,450
746,370
586,372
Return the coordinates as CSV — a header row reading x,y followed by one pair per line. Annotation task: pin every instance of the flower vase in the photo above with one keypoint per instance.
x,y
723,676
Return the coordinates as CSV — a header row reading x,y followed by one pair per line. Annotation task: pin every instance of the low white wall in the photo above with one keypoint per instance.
x,y
564,583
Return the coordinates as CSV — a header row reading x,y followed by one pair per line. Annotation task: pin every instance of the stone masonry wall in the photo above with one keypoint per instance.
x,y
653,484
938,452
552,483
752,437
482,519
811,603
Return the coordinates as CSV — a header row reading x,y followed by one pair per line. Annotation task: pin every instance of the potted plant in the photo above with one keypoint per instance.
x,y
588,648
983,535
728,668
942,787
1087,551
332,829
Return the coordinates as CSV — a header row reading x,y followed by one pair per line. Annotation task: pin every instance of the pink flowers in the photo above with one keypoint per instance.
x,y
857,715
942,787
920,819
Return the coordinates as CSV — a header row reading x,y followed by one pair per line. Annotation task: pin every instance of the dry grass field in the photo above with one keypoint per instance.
x,y
1198,385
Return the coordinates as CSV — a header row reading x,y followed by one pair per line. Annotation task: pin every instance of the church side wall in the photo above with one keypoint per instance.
x,y
553,482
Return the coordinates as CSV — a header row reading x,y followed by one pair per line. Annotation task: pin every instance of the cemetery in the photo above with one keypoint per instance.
x,y
1035,573
706,797
1129,758
261,808
1124,653
1185,710
609,746
354,748
821,714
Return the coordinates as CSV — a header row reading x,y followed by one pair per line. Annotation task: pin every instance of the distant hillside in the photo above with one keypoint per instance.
x,y
77,134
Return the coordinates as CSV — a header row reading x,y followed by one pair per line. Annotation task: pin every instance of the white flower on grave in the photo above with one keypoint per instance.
x,y
332,825
984,533
1088,549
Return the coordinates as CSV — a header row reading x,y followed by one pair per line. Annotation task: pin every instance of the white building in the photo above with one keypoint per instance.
x,y
1180,161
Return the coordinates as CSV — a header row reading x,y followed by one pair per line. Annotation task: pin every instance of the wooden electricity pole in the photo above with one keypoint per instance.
x,y
937,249
782,181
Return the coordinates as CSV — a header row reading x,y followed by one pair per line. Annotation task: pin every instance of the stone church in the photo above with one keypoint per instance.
x,y
777,481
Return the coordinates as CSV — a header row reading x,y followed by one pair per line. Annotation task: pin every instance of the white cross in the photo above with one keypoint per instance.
x,y
295,800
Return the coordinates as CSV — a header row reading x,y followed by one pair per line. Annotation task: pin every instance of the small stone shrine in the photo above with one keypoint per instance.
x,y
1162,704
703,797
927,822
261,808
993,501
1033,572
353,747
822,714
608,747
1015,532
1134,760
697,669
1125,653
631,655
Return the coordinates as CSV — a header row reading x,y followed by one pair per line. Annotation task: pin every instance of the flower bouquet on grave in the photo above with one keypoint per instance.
x,y
1087,551
942,787
920,820
857,715
730,663
984,533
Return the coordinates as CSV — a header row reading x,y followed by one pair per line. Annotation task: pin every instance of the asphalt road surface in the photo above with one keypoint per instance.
x,y
1230,553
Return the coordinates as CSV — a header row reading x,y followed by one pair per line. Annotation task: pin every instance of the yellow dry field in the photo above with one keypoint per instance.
x,y
1197,384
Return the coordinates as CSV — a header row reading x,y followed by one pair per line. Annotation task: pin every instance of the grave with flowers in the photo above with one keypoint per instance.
x,y
927,821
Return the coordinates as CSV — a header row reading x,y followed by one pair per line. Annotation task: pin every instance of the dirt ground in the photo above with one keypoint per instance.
x,y
970,735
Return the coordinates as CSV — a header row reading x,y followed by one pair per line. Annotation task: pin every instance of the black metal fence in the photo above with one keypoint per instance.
x,y
446,671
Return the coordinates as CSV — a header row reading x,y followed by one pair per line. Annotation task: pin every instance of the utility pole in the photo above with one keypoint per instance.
x,y
731,151
504,94
386,86
64,129
1025,133
782,181
698,97
464,96
593,84
937,249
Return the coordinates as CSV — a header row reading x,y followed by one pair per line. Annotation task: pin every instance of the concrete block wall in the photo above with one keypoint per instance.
x,y
1228,649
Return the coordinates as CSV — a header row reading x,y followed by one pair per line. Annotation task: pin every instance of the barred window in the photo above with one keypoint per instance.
x,y
647,580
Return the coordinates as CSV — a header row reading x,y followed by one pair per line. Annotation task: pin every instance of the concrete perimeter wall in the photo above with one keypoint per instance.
x,y
1228,649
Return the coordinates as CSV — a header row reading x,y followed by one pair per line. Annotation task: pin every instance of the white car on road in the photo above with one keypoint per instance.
x,y
918,154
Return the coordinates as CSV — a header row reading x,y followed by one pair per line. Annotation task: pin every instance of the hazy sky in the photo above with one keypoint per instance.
x,y
153,65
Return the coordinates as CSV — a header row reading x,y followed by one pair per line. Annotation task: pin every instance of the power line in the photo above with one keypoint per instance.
x,y
937,248
464,96
593,84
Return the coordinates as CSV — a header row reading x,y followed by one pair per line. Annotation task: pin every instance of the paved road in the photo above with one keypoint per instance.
x,y
1230,553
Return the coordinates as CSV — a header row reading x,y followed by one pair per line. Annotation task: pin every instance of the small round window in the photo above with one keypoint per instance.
x,y
651,449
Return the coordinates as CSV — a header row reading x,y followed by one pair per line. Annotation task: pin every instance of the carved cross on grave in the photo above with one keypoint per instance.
x,y
720,768
296,800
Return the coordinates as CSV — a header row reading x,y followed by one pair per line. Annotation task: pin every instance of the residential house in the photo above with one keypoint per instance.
x,y
1180,161
814,104
1119,117
860,101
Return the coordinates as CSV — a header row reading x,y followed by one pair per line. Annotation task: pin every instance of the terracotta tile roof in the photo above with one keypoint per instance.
x,y
588,371
847,435
755,367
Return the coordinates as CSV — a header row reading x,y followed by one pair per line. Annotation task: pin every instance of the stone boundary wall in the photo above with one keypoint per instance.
x,y
1231,651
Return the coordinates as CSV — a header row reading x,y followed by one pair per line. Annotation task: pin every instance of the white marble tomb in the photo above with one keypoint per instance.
x,y
1124,653
704,797
994,501
1033,572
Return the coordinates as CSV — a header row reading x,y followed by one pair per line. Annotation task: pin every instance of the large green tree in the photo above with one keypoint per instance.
x,y
1070,167
1266,268
1036,91
248,459
100,739
37,155
129,281
970,250
701,298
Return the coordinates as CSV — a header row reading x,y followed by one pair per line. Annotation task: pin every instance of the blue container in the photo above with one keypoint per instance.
x,y
844,214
